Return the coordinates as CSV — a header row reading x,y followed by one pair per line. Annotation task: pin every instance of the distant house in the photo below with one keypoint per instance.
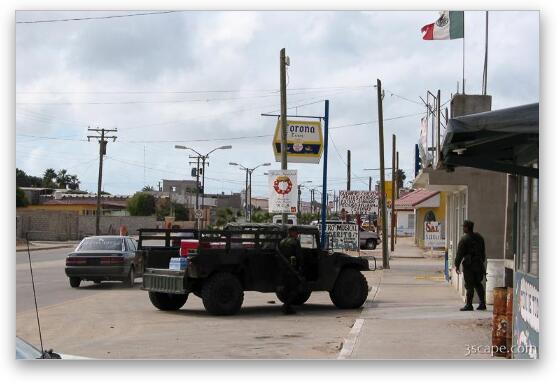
x,y
83,204
417,207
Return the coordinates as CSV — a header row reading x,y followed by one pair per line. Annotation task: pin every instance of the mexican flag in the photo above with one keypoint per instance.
x,y
449,25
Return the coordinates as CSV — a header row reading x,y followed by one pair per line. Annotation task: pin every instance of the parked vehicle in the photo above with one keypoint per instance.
x,y
291,219
246,258
368,239
103,258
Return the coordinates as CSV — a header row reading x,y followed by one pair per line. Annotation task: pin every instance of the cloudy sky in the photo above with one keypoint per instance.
x,y
202,79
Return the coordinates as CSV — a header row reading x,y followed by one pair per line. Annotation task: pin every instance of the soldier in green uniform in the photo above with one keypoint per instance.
x,y
471,254
291,249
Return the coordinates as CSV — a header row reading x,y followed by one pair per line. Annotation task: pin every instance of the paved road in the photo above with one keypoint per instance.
x,y
51,283
114,322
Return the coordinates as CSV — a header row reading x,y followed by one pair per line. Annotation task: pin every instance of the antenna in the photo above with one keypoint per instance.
x,y
34,293
48,354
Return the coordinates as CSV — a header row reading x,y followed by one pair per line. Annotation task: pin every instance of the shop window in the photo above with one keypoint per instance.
x,y
528,225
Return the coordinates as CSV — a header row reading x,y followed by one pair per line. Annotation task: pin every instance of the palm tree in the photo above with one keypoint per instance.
x,y
48,178
62,178
74,182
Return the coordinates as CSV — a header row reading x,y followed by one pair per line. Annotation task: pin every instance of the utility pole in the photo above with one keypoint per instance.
x,y
393,195
102,139
382,177
369,218
203,158
196,187
250,171
438,120
348,165
396,194
283,144
246,196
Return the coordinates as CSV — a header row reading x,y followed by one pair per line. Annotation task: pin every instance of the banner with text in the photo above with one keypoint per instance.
x,y
432,235
345,236
358,202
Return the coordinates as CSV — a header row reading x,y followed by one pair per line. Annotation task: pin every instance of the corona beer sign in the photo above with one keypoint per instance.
x,y
304,140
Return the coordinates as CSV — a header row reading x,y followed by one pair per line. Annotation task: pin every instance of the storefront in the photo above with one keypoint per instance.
x,y
507,141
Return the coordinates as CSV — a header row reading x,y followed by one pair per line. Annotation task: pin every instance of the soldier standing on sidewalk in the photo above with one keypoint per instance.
x,y
471,253
290,248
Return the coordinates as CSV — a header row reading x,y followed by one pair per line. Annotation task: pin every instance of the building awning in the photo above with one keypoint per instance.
x,y
505,140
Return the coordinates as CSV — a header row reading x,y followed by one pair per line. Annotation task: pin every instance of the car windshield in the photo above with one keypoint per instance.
x,y
100,244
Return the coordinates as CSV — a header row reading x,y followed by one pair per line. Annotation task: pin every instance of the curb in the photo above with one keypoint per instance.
x,y
43,248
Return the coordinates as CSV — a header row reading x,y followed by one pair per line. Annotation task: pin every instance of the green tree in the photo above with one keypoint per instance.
x,y
48,178
141,204
74,182
20,198
63,178
24,180
147,188
180,211
224,216
400,178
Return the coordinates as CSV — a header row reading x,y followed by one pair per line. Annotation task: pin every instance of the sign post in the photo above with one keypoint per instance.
x,y
324,191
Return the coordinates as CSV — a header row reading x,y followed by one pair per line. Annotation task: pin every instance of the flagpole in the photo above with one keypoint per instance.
x,y
463,46
484,82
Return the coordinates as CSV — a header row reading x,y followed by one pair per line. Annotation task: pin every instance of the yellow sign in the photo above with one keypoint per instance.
x,y
304,140
388,191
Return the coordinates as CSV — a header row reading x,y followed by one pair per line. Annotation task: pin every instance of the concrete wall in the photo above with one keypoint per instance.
x,y
110,225
47,225
462,104
62,226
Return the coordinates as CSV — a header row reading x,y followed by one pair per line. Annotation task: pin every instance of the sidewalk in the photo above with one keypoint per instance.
x,y
412,313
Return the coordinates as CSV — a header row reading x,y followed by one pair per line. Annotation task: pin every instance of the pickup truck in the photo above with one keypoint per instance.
x,y
221,264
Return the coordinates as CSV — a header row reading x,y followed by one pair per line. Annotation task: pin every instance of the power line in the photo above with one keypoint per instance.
x,y
218,139
95,18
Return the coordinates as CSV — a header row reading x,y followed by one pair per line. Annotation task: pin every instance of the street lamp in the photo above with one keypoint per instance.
x,y
249,171
202,158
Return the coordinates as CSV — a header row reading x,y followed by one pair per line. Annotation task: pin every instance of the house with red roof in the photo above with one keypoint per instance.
x,y
416,208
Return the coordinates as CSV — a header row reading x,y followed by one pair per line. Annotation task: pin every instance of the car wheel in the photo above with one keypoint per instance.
x,y
299,299
130,280
222,294
350,290
167,301
74,282
371,244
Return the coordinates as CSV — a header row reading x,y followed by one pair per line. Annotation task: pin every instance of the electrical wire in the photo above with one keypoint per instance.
x,y
95,18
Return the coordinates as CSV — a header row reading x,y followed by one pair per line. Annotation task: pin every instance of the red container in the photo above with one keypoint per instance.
x,y
188,247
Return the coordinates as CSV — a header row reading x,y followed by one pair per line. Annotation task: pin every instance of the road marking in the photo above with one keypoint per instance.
x,y
348,345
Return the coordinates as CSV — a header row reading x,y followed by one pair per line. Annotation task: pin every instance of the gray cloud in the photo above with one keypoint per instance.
x,y
240,50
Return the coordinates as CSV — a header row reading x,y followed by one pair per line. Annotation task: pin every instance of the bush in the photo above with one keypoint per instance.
x,y
141,204
20,199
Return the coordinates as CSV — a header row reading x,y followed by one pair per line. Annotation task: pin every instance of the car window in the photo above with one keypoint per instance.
x,y
101,244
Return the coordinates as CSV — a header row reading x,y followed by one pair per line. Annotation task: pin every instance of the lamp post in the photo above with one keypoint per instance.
x,y
203,158
249,171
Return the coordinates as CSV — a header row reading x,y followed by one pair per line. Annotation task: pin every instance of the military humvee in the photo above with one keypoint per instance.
x,y
239,258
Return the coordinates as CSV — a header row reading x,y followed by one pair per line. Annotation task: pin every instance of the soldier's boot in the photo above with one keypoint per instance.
x,y
481,294
469,298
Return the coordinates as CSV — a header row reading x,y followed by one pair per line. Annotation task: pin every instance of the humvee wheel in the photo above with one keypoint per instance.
x,y
299,299
167,301
222,294
350,290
